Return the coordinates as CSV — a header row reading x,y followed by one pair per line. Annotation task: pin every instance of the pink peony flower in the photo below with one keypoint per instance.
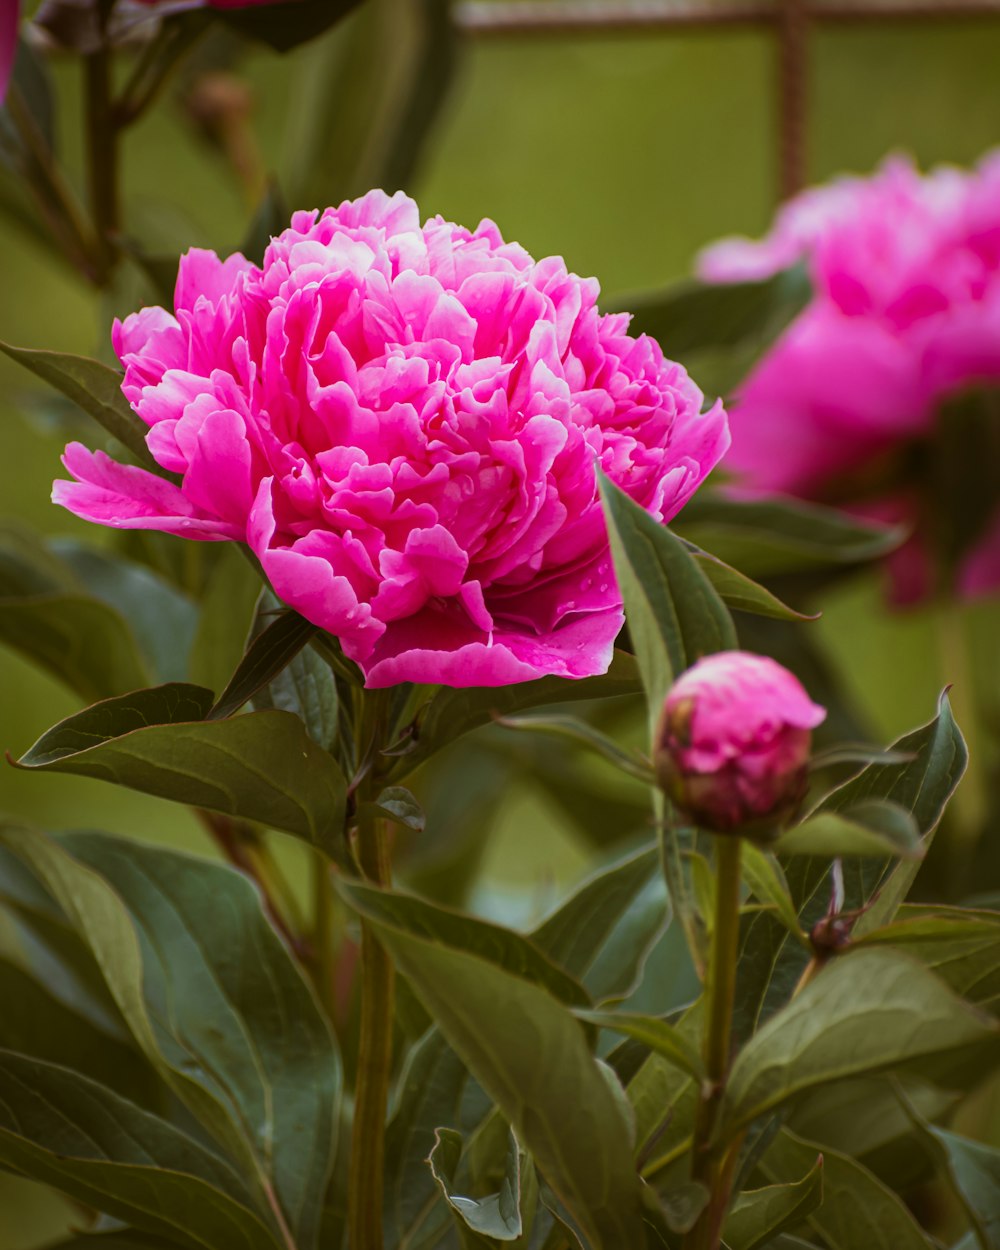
x,y
9,15
905,313
403,422
732,747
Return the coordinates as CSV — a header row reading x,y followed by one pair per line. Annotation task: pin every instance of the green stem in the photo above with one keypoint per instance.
x,y
365,1181
710,1162
102,153
323,932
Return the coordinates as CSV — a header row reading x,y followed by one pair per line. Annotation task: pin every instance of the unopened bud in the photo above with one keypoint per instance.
x,y
732,746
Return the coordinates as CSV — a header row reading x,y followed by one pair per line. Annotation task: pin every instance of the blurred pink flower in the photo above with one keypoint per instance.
x,y
905,313
9,15
733,744
403,422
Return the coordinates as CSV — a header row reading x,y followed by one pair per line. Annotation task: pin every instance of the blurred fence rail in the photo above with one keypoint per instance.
x,y
790,20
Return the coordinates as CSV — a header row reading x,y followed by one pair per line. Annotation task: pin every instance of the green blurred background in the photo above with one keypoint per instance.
x,y
625,155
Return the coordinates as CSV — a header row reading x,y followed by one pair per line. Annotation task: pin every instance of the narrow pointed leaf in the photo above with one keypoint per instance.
x,y
215,1002
531,1056
661,1038
866,1012
857,1209
269,653
766,880
397,804
81,1137
674,614
261,767
877,829
496,1216
603,933
96,389
576,730
740,593
758,1215
502,947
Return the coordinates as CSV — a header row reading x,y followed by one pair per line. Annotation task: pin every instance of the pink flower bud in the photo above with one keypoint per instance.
x,y
732,747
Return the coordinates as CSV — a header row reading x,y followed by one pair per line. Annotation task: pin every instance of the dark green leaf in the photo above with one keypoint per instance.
x,y
97,390
764,875
215,1002
693,316
678,1205
603,933
973,1172
661,1038
857,1209
871,827
455,711
499,946
758,1215
576,730
397,804
740,593
284,28
34,1022
162,619
496,1215
269,653
866,1012
81,641
61,1128
128,1240
766,537
306,687
261,767
531,1056
961,947
674,615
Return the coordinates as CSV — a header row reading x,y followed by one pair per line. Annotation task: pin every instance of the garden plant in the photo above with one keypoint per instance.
x,y
386,516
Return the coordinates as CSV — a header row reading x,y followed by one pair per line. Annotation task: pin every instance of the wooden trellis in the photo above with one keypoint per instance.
x,y
790,21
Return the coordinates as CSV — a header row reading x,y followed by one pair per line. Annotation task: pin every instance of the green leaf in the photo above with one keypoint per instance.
x,y
766,537
973,1172
857,1209
215,1002
96,389
227,614
677,1205
79,640
739,592
81,1137
692,316
270,652
531,1056
933,760
430,1093
603,933
455,711
764,875
874,827
674,615
661,1038
866,1012
35,1022
282,28
397,804
496,1216
629,762
491,942
758,1215
307,688
128,1240
961,947
162,620
261,767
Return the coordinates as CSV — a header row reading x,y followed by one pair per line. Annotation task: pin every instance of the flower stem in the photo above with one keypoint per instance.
x,y
710,1163
365,1183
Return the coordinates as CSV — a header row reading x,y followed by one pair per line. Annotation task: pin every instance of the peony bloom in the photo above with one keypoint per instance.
x,y
402,422
905,314
9,14
732,747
